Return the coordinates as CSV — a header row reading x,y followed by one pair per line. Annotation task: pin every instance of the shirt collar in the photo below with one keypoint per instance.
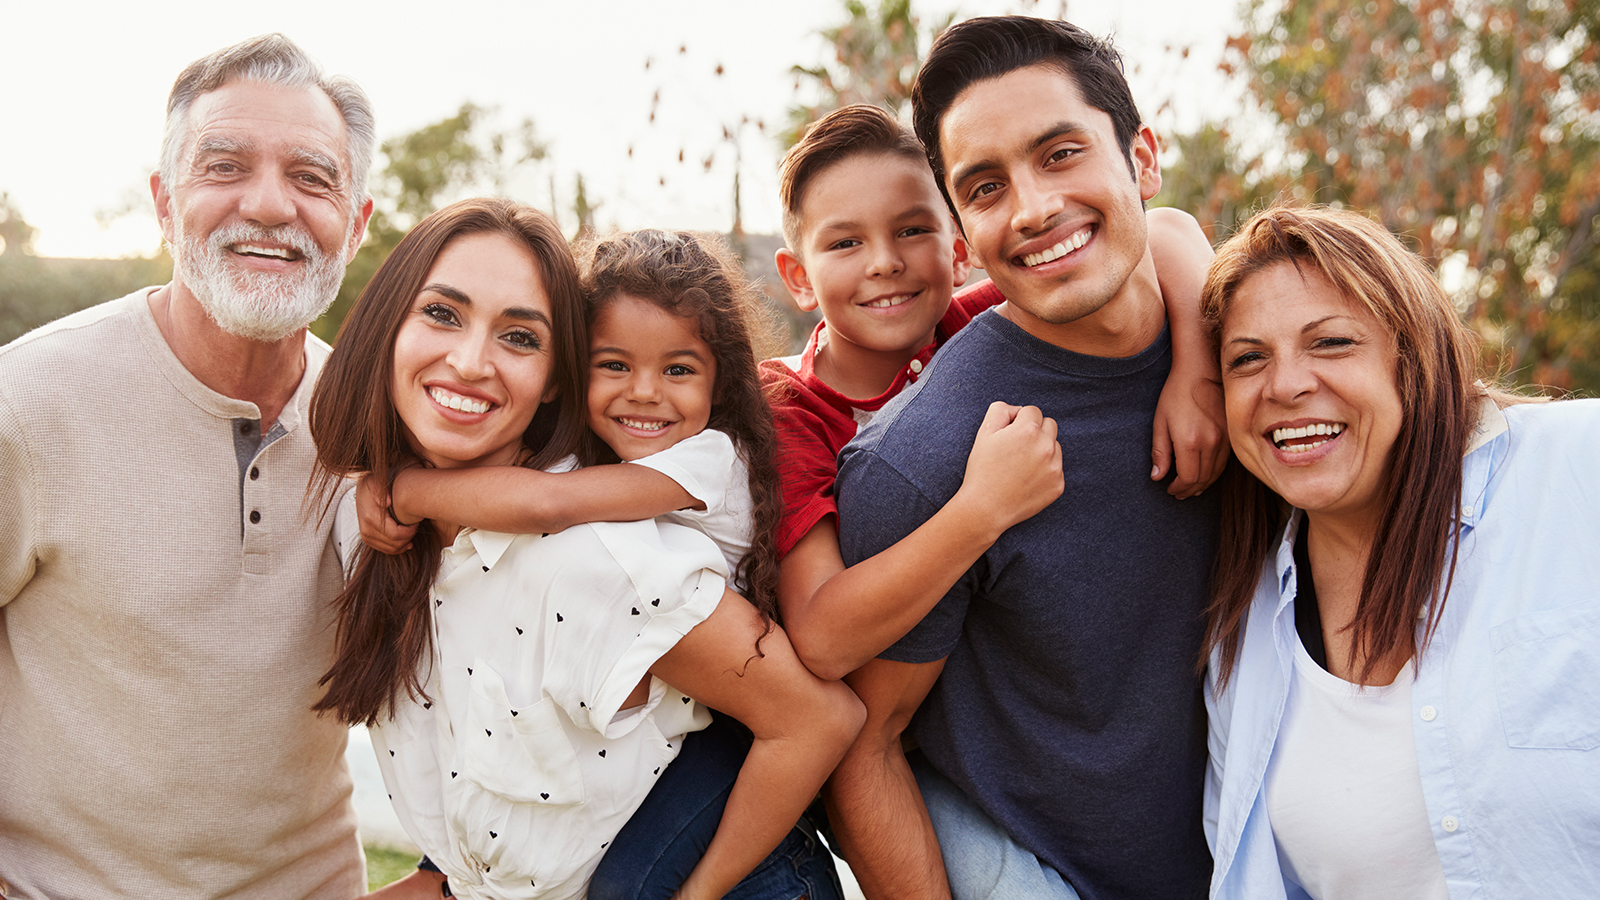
x,y
490,546
1486,446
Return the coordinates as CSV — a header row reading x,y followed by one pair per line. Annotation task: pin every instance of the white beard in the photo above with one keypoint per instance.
x,y
258,306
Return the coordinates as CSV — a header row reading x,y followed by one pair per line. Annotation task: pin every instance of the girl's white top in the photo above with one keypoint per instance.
x,y
710,468
521,767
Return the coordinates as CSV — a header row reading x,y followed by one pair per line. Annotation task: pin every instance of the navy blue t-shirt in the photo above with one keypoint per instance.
x,y
1069,708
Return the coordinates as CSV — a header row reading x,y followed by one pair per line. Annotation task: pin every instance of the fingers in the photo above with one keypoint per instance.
x,y
1160,451
999,415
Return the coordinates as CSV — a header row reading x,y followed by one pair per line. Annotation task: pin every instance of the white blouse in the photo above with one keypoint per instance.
x,y
710,468
520,767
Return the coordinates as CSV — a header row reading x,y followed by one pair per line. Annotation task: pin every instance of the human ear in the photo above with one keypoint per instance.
x,y
163,201
358,230
1146,168
962,265
793,273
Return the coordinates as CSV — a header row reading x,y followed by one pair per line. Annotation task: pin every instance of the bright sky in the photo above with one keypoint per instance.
x,y
86,86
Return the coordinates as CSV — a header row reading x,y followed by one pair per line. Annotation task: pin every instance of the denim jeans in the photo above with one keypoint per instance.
x,y
666,837
981,861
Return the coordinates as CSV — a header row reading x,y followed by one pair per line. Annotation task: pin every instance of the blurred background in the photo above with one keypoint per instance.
x,y
1472,127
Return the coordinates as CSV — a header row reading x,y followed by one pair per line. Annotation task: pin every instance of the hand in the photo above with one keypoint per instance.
x,y
379,530
419,885
1191,433
1014,469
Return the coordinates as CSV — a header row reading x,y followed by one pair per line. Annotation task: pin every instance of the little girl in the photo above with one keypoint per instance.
x,y
521,695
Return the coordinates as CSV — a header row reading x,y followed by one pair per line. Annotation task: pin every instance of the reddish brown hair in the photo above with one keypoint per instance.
x,y
384,631
1412,559
855,130
695,277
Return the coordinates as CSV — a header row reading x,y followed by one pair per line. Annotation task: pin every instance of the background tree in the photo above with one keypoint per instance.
x,y
1468,125
876,54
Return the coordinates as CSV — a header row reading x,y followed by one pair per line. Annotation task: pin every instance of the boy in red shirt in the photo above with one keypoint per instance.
x,y
872,243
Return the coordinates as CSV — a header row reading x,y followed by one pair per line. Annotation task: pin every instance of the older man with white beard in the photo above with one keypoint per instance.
x,y
164,589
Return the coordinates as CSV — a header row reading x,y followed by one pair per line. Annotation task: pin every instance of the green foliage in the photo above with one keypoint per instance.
x,y
876,57
1469,126
34,291
385,866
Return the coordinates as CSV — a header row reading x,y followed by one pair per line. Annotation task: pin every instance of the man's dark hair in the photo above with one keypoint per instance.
x,y
991,46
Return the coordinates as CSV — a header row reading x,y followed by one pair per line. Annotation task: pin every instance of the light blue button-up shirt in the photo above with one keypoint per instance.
x,y
1506,703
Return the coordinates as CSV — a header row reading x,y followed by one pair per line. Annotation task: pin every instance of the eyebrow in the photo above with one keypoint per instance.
x,y
522,313
1308,327
916,211
307,156
1049,134
622,351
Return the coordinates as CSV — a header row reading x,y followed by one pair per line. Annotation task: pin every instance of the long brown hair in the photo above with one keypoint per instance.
x,y
384,635
1412,560
696,278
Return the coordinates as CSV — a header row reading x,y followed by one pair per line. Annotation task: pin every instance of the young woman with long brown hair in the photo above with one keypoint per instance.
x,y
519,684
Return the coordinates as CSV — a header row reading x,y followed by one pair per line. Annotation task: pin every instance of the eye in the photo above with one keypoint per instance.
x,y
1063,154
523,339
1245,360
983,190
845,244
612,365
679,370
313,180
440,313
1333,343
222,168
915,230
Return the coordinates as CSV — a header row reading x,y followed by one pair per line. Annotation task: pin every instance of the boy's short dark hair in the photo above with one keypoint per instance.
x,y
992,46
852,130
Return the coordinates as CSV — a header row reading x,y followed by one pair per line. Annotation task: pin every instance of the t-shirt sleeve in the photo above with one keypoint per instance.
x,y
644,586
18,524
704,465
807,470
878,507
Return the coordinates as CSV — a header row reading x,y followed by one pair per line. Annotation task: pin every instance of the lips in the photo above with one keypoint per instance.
x,y
1305,437
891,300
1067,245
457,402
287,254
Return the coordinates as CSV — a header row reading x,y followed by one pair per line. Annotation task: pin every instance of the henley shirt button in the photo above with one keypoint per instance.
x,y
244,427
1429,713
255,516
916,367
1466,509
254,473
1449,823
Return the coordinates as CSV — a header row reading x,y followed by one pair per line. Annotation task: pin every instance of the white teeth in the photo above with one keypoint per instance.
x,y
256,250
1279,435
642,425
1062,249
458,402
885,302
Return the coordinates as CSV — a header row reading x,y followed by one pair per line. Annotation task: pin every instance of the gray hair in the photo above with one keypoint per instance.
x,y
273,59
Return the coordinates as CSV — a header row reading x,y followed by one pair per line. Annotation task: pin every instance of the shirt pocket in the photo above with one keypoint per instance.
x,y
522,754
1546,666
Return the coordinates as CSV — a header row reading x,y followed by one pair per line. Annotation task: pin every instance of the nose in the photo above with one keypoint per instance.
x,y
469,358
1289,380
644,386
1036,205
267,201
886,259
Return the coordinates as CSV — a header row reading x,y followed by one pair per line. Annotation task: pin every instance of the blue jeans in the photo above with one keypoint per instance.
x,y
666,837
980,859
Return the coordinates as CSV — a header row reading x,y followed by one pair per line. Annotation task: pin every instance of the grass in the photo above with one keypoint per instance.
x,y
385,866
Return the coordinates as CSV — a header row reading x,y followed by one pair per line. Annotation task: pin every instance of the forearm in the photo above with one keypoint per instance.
x,y
516,500
859,612
882,826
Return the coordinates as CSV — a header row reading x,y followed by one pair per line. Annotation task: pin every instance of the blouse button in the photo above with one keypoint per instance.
x,y
254,473
255,516
1428,713
1449,823
916,367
